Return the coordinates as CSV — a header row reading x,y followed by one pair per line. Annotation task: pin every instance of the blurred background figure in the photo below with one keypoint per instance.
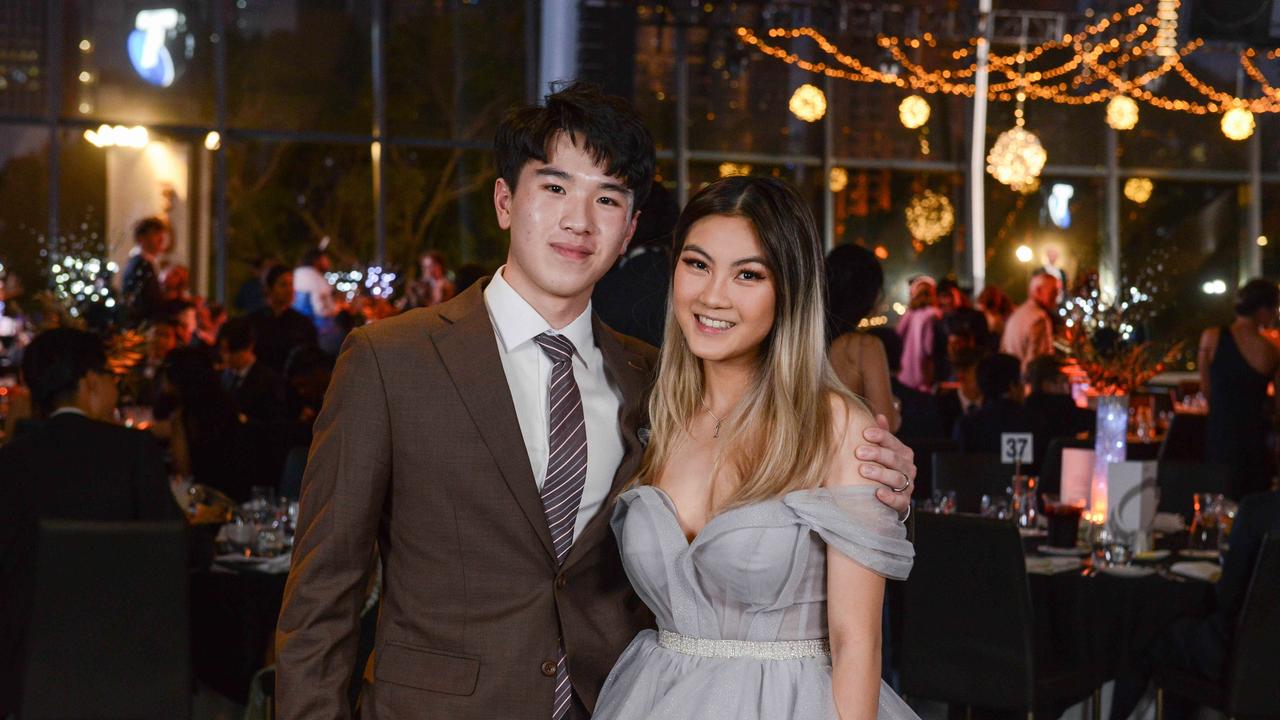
x,y
251,296
74,465
1050,403
965,398
961,326
1002,411
175,283
432,285
632,297
996,306
917,329
918,410
1028,334
312,294
257,391
854,283
1237,362
279,328
140,286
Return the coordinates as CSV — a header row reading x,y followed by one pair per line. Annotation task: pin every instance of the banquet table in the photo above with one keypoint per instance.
x,y
1084,617
233,620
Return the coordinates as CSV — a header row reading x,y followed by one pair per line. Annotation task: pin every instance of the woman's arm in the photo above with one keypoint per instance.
x,y
1204,357
855,595
875,381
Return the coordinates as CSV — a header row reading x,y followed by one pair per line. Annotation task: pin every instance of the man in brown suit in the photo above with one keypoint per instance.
x,y
477,446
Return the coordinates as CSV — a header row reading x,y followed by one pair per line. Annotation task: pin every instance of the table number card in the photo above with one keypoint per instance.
x,y
1015,448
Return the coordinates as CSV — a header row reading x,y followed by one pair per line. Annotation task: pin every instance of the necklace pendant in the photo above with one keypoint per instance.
x,y
717,433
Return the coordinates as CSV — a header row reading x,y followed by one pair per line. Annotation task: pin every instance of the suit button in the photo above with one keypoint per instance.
x,y
549,668
561,582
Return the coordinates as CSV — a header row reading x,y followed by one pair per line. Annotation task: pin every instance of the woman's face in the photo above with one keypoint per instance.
x,y
722,292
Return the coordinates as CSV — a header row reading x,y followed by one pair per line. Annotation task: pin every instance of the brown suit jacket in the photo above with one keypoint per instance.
x,y
418,452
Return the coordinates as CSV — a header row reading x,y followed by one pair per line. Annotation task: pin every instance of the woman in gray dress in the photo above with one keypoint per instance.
x,y
749,531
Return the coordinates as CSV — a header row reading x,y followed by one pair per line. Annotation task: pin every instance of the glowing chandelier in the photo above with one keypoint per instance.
x,y
930,217
1139,189
1122,112
913,111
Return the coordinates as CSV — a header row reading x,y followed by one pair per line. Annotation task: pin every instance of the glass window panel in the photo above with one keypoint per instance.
x,y
1190,232
122,63
294,65
24,204
442,200
285,198
22,58
739,102
806,179
453,69
655,81
1165,139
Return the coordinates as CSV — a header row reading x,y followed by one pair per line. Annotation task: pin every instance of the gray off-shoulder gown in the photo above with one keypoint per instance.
x,y
755,573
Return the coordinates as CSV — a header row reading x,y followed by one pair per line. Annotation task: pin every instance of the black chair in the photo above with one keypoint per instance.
x,y
1185,440
1051,464
1178,481
924,448
971,475
967,625
108,634
1250,690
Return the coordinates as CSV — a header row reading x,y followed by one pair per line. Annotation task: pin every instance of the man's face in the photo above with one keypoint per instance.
x,y
324,264
1045,291
234,359
430,268
186,326
281,292
163,340
569,222
155,242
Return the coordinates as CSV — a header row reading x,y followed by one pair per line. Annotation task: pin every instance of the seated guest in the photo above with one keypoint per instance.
x,y
966,399
141,385
1000,380
1202,645
308,372
257,391
917,409
203,428
278,328
961,326
75,465
1050,401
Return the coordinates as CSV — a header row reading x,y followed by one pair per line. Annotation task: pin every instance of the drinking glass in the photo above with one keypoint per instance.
x,y
1204,524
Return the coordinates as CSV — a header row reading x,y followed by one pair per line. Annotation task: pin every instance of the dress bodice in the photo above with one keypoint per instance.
x,y
755,572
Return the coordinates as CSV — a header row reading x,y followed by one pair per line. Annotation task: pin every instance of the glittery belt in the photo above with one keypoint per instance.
x,y
776,650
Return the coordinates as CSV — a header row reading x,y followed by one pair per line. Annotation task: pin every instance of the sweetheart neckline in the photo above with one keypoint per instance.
x,y
673,512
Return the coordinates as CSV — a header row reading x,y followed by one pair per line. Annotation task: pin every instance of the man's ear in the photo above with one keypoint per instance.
x,y
631,232
502,197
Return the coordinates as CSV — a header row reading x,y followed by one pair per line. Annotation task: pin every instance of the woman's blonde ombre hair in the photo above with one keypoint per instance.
x,y
779,437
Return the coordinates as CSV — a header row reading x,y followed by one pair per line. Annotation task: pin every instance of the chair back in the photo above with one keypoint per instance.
x,y
108,635
1179,480
966,630
1253,690
971,475
1185,441
924,448
1051,463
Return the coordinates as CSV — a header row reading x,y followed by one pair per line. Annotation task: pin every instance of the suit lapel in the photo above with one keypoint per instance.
x,y
631,372
469,350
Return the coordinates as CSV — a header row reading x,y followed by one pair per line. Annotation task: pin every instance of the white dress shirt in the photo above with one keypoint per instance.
x,y
528,371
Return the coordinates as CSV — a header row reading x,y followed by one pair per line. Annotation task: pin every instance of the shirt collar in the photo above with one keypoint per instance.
x,y
517,322
68,410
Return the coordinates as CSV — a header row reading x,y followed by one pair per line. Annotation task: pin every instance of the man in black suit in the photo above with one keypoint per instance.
x,y
279,328
75,465
966,398
1000,380
141,282
1202,644
257,391
632,297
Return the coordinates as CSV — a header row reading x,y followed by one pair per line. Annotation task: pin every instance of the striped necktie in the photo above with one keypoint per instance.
x,y
566,474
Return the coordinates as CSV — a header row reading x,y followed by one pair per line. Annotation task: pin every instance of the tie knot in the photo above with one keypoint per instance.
x,y
557,347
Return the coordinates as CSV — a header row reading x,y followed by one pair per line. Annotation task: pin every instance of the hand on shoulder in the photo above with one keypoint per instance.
x,y
849,418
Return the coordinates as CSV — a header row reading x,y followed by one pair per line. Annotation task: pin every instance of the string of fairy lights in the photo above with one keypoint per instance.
x,y
1119,59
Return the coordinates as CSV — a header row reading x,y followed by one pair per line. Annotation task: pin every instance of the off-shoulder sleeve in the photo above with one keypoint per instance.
x,y
854,522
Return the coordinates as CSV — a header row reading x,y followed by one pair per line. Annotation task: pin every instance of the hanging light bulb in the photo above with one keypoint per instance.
x,y
1122,112
913,111
838,179
1017,158
1237,123
1139,189
808,103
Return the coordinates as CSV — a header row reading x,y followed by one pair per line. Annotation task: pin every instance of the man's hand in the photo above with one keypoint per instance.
x,y
890,463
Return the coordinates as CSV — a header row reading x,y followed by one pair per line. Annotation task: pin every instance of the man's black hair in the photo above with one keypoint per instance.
x,y
997,374
54,362
311,256
274,274
146,226
606,125
237,333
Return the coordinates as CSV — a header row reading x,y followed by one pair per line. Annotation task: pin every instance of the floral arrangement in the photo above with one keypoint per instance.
x,y
1107,339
